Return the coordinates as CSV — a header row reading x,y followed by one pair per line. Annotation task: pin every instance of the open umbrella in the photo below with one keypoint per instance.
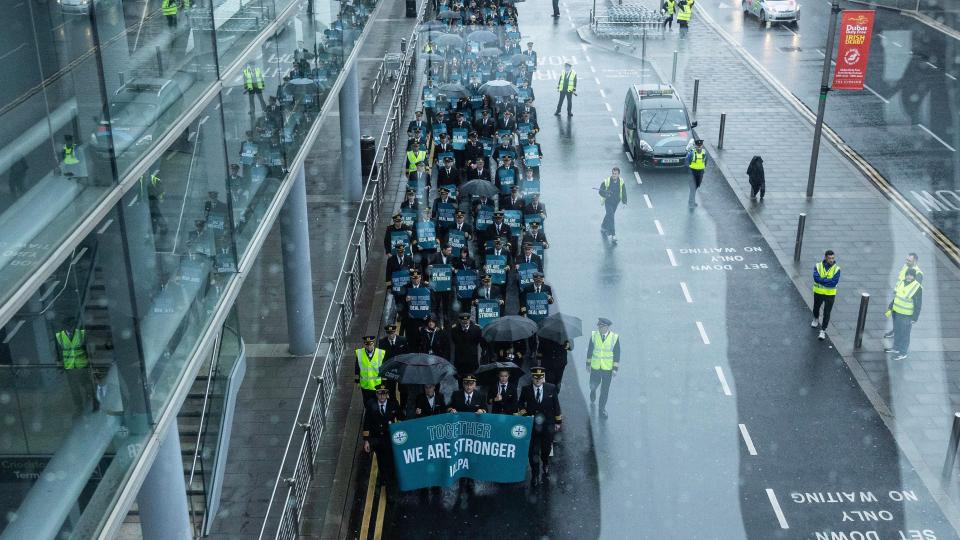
x,y
417,368
479,188
509,328
431,26
489,52
560,327
434,57
499,88
517,59
488,372
447,15
454,90
449,40
482,36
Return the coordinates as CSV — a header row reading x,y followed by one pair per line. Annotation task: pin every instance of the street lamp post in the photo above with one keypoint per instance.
x,y
824,88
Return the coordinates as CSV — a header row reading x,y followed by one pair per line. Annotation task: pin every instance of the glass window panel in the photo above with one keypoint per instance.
x,y
237,23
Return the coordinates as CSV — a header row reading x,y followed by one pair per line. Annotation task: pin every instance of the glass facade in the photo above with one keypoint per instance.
x,y
90,361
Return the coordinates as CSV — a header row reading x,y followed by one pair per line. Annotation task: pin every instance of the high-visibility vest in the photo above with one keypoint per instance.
x,y
825,274
699,160
686,11
571,80
415,157
70,154
671,5
369,368
606,186
169,7
903,297
153,189
602,357
72,349
903,273
252,80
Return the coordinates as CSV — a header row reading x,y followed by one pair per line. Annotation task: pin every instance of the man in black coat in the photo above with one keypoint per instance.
x,y
379,413
538,286
528,256
429,402
397,261
392,344
468,400
536,234
502,394
497,229
553,358
513,201
540,400
448,174
433,339
467,340
396,227
486,126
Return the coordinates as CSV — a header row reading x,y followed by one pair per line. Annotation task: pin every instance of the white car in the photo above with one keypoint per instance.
x,y
74,6
773,11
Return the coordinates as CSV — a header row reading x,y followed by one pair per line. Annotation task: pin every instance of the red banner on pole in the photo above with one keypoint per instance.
x,y
856,27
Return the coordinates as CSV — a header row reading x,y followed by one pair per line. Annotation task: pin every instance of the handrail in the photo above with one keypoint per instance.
x,y
201,437
331,345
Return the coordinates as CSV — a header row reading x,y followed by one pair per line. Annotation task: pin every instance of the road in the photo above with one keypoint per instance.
x,y
729,419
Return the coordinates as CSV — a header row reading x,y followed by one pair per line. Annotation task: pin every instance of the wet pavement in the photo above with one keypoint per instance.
x,y
728,419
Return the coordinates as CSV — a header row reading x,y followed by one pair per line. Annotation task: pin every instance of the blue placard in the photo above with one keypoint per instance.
x,y
399,280
531,158
466,280
523,94
441,276
501,133
487,146
409,216
526,270
530,187
538,249
476,102
446,213
459,138
443,155
421,189
426,235
484,217
217,219
457,240
538,306
437,130
429,98
418,302
248,151
523,128
507,152
452,188
487,312
513,218
533,218
507,178
400,236
496,267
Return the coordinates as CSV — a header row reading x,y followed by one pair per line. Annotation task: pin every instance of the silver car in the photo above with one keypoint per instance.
x,y
773,11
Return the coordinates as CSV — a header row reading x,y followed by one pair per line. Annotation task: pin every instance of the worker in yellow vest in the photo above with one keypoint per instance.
x,y
910,262
369,360
253,85
669,8
684,13
567,88
905,309
697,161
169,8
73,348
603,360
415,155
826,277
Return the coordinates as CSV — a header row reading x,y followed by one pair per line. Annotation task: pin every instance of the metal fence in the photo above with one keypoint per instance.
x,y
282,519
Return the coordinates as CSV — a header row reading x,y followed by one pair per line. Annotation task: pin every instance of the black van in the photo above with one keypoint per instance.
x,y
656,127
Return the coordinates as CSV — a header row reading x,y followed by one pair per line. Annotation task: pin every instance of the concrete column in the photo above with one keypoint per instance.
x,y
163,495
297,274
351,180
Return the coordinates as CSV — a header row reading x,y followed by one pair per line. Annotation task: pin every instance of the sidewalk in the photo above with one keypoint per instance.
x,y
916,397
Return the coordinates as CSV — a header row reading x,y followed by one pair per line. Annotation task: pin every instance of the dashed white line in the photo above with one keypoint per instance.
x,y
587,56
723,381
573,26
673,262
951,76
747,440
776,509
583,46
659,227
604,94
934,66
614,120
597,79
635,173
934,135
874,92
703,333
609,108
593,69
646,199
621,137
686,293
629,157
897,44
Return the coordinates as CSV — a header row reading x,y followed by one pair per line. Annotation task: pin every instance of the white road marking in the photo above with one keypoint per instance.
x,y
79,256
932,134
776,509
597,79
621,137
646,199
604,94
105,225
587,56
134,200
230,90
673,262
217,107
629,157
659,227
897,44
583,46
820,52
573,26
703,333
614,120
934,66
723,381
787,28
609,108
635,173
881,36
686,293
951,76
747,440
874,92
16,328
593,69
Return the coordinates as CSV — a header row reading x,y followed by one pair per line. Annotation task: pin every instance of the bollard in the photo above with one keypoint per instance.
x,y
952,449
798,245
673,78
723,125
122,79
643,49
696,93
159,63
861,320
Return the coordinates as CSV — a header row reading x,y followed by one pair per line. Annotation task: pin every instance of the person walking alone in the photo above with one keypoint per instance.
x,y
697,161
826,277
613,193
910,262
905,308
603,360
567,88
758,182
684,13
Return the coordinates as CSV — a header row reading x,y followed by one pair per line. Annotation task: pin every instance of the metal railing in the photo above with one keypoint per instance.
x,y
290,492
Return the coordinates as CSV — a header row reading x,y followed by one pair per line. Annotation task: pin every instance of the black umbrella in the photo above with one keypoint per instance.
x,y
449,40
454,90
479,188
417,368
488,372
560,327
509,328
447,15
499,88
431,26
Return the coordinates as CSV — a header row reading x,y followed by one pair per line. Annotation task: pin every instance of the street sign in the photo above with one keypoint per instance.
x,y
856,27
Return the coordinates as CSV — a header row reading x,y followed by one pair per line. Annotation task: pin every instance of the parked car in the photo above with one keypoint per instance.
x,y
773,11
656,127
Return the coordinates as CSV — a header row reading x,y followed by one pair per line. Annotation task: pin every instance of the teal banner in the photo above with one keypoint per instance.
x,y
525,272
426,235
513,218
441,276
439,450
537,306
484,217
418,302
496,267
487,312
466,283
457,239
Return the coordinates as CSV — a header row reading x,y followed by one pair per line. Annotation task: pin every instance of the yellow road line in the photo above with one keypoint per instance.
x,y
368,504
381,510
